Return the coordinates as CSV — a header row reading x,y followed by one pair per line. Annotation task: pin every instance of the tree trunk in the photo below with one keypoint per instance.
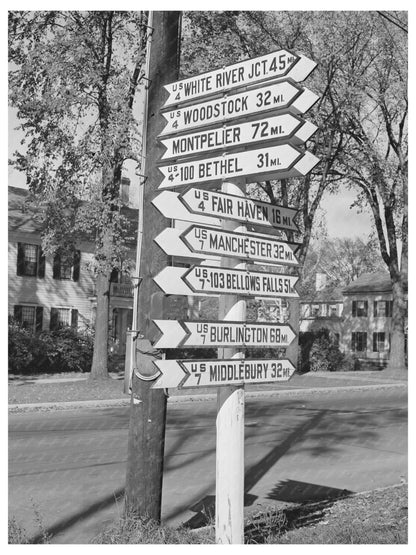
x,y
397,360
99,368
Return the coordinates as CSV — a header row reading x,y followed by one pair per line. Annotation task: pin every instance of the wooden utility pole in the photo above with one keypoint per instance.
x,y
148,406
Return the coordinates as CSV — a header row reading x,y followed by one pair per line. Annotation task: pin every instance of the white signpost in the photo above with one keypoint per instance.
x,y
206,280
222,334
283,126
204,373
285,94
271,66
280,162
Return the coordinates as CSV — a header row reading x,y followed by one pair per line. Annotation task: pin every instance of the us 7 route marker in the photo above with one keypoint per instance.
x,y
278,96
281,63
283,126
206,280
215,242
203,373
222,334
230,207
279,161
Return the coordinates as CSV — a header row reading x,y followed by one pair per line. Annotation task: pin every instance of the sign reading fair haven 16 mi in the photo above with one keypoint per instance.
x,y
281,161
203,373
270,66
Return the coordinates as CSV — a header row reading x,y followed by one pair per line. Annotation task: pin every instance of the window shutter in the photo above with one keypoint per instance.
x,y
53,324
353,340
74,318
375,342
41,264
39,318
20,259
375,308
390,308
57,266
365,308
77,262
365,340
354,308
17,313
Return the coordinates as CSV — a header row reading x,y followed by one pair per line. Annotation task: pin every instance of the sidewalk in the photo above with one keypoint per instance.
x,y
71,389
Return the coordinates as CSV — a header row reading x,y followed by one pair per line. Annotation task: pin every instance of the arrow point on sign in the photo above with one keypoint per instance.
x,y
172,334
306,131
305,101
306,163
171,375
302,69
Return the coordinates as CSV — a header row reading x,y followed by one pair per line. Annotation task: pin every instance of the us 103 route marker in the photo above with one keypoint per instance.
x,y
208,280
283,95
203,240
222,334
281,63
275,128
203,373
279,162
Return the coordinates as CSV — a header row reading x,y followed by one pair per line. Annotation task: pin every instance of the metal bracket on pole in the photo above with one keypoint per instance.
x,y
143,76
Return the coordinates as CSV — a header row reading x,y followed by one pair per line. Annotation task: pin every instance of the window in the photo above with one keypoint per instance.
x,y
379,342
30,317
315,310
359,341
336,338
383,308
359,308
333,310
66,268
30,260
63,317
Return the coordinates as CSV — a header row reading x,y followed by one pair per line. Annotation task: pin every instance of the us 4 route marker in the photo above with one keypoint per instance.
x,y
222,334
200,280
283,126
203,373
283,95
280,161
281,63
208,207
203,240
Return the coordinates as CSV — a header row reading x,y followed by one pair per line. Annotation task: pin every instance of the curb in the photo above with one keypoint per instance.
x,y
108,403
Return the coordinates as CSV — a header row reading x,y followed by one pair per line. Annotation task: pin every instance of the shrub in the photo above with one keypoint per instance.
x,y
319,352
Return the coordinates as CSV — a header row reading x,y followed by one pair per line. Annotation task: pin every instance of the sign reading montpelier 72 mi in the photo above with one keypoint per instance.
x,y
280,161
202,373
270,66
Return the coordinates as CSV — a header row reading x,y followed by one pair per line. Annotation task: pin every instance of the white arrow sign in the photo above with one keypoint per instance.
x,y
278,96
222,334
206,280
280,161
169,240
271,66
230,207
203,373
283,126
246,246
170,206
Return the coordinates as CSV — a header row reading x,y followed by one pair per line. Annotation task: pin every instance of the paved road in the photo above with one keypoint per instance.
x,y
69,466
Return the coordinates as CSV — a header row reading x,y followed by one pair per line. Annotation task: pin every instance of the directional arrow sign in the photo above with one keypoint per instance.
x,y
283,126
271,66
246,246
222,334
280,161
169,240
230,207
206,280
280,95
203,373
170,206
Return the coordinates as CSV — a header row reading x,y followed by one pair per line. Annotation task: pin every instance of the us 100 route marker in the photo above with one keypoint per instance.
x,y
286,94
279,161
204,373
271,66
222,334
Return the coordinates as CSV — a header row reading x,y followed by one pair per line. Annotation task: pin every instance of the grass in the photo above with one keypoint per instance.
x,y
377,517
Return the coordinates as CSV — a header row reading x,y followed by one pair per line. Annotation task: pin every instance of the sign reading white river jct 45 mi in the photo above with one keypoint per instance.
x,y
281,161
283,126
271,98
270,66
246,246
222,334
203,373
200,280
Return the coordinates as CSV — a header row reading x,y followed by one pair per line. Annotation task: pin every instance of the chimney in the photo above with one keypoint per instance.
x,y
124,190
320,281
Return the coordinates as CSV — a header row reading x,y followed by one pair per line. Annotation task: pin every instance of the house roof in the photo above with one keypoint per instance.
x,y
375,282
23,217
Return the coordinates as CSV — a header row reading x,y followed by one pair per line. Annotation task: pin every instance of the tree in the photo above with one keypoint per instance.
x,y
74,78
